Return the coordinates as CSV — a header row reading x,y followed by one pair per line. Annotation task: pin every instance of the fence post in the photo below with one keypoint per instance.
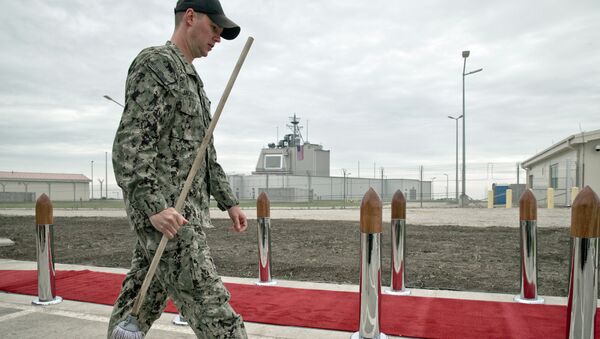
x,y
370,267
509,198
263,216
583,282
398,231
490,199
528,232
45,259
550,197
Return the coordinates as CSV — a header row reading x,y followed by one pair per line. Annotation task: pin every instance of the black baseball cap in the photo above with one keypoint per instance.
x,y
213,9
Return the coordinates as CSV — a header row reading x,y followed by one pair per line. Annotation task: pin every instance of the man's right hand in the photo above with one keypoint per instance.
x,y
168,222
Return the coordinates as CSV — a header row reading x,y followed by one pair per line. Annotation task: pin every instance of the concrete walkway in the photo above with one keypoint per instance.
x,y
71,319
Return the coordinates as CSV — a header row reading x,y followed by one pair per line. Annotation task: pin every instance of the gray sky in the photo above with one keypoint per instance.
x,y
376,81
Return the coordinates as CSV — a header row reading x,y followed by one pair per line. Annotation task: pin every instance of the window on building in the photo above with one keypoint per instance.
x,y
554,176
531,181
274,161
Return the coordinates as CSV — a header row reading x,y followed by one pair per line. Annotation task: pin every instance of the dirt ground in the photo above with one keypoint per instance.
x,y
438,257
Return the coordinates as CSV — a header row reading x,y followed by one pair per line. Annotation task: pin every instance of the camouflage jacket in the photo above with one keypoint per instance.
x,y
164,120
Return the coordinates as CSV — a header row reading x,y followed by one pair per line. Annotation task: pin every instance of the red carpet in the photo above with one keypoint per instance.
x,y
408,316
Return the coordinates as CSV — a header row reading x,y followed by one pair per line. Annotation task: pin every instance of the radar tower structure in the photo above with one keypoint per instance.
x,y
295,130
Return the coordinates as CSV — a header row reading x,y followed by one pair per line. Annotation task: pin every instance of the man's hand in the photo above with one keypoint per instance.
x,y
240,222
168,222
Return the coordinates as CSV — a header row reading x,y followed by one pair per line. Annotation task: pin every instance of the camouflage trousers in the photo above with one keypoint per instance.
x,y
187,274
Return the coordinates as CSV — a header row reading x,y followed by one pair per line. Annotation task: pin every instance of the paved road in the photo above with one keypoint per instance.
x,y
474,217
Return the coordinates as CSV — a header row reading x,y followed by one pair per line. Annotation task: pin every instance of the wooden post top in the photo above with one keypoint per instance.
x,y
398,205
585,215
263,206
43,210
528,206
371,213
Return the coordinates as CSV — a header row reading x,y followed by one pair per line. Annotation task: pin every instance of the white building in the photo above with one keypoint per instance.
x,y
571,162
27,187
293,170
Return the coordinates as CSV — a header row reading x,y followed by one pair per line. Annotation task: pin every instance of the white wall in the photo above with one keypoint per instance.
x,y
56,191
591,157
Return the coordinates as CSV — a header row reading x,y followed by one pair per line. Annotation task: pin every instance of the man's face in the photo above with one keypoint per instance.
x,y
204,35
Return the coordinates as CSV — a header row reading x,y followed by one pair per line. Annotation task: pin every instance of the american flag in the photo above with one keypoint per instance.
x,y
300,152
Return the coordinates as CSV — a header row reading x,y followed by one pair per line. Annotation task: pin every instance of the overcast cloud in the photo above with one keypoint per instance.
x,y
376,81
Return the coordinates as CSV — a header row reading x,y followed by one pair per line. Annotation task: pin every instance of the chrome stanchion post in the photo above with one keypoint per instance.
x,y
263,216
398,231
370,267
528,231
583,282
44,248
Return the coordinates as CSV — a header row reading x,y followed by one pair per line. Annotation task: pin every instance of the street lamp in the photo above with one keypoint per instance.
x,y
106,153
463,197
446,185
456,119
113,100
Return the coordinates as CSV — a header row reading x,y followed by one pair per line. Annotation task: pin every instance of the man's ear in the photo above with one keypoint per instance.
x,y
189,16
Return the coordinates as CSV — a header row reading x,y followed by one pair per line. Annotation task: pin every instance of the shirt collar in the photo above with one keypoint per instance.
x,y
189,68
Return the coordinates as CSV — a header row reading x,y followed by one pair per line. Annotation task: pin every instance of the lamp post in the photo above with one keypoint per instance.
x,y
463,197
113,100
106,153
456,119
446,185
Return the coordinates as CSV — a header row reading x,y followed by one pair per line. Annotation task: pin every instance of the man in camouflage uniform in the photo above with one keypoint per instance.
x,y
164,121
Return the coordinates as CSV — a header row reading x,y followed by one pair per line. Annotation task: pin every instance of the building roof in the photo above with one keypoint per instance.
x,y
13,176
563,145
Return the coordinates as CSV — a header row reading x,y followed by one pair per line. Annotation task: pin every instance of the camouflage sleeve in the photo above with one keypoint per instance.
x,y
135,144
219,185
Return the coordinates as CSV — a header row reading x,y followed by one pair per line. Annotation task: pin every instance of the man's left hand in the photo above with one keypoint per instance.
x,y
240,222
